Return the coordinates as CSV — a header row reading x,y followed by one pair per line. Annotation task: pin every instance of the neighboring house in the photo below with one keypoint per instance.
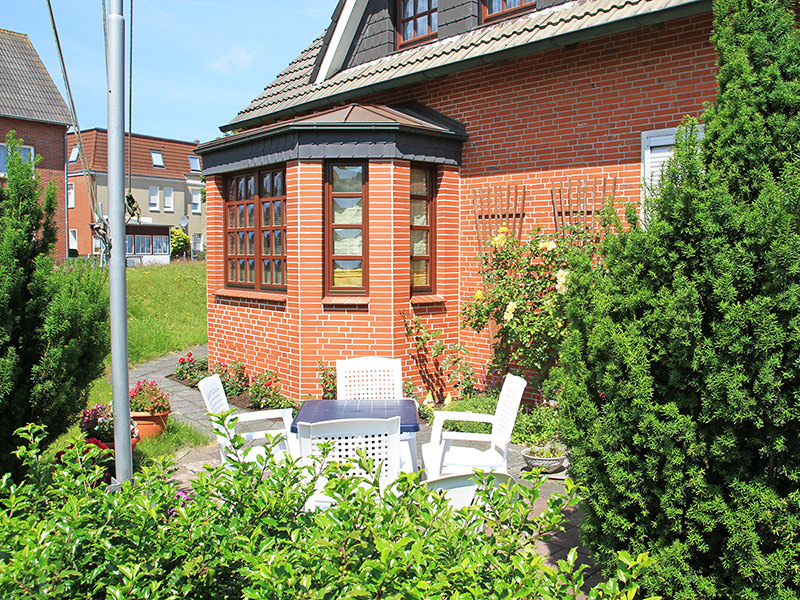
x,y
32,107
343,198
166,182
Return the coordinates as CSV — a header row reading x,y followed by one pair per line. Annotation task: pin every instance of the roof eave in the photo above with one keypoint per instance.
x,y
589,33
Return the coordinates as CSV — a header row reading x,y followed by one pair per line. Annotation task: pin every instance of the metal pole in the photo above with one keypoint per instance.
x,y
116,208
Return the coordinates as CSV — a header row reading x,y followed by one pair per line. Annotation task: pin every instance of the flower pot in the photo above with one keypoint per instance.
x,y
134,441
150,424
547,464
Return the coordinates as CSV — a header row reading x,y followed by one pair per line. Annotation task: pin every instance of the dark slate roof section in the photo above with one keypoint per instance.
x,y
376,35
458,16
560,25
408,131
26,89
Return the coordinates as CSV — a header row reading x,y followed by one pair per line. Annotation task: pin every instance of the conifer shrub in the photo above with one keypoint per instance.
x,y
54,331
679,378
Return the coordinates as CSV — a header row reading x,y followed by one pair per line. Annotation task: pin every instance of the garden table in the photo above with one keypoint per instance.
x,y
314,411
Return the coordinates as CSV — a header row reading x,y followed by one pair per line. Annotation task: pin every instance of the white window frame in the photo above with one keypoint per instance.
x,y
70,195
154,193
161,244
73,239
194,163
196,206
130,248
169,200
23,150
157,158
147,241
73,154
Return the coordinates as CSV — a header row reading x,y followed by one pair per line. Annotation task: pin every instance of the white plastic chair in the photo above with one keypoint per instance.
x,y
217,402
379,438
460,490
376,377
441,457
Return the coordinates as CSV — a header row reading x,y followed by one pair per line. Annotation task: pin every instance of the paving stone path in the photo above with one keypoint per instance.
x,y
187,406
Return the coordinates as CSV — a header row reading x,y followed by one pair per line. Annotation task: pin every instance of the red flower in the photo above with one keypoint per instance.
x,y
268,383
189,354
181,361
190,359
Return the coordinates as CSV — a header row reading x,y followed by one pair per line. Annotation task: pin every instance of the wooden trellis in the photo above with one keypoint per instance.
x,y
577,201
498,206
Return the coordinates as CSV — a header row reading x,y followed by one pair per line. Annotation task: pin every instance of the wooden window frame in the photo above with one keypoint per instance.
x,y
238,225
504,13
330,289
430,228
402,42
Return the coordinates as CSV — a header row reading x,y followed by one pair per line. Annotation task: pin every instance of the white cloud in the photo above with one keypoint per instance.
x,y
237,59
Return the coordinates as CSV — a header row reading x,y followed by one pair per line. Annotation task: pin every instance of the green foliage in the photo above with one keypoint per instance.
x,y
234,379
680,375
265,392
327,380
176,435
179,242
191,369
440,364
166,309
54,331
241,532
147,396
524,299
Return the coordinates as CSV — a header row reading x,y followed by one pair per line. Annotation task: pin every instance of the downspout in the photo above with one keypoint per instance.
x,y
66,193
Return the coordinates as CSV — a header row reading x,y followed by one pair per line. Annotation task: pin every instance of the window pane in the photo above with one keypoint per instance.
x,y
251,215
419,182
278,187
231,216
277,271
434,4
422,25
251,270
347,241
266,185
408,8
419,273
232,191
347,211
265,213
251,243
266,272
495,6
231,243
242,270
434,21
160,244
251,187
232,270
241,215
408,30
512,3
278,235
240,193
241,243
419,243
419,212
267,243
347,178
347,273
128,244
278,208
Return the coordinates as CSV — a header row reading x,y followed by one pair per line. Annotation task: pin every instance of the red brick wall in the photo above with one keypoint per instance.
x,y
47,140
534,120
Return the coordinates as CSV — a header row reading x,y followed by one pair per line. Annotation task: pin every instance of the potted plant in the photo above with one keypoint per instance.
x,y
540,437
97,424
150,407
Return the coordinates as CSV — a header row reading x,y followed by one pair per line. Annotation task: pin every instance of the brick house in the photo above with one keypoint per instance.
x,y
32,107
165,180
343,197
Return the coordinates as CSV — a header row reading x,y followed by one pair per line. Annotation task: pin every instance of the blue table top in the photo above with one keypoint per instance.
x,y
314,411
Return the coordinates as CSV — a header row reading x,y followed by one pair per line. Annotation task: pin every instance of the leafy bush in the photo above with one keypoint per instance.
x,y
327,380
234,379
179,242
191,369
265,392
680,373
241,532
54,333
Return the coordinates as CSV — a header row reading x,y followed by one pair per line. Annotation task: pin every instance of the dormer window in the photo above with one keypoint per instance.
x,y
497,9
419,20
194,163
157,158
73,155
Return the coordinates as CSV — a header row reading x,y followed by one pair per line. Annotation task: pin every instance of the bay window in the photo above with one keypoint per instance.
x,y
346,228
423,181
255,230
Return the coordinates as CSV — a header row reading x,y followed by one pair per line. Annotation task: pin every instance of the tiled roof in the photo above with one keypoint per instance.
x,y
26,89
293,90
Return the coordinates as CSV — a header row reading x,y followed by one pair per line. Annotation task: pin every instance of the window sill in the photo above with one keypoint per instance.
x,y
345,301
251,295
427,299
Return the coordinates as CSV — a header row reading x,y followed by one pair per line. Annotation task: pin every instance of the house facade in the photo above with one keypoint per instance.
x,y
165,181
355,192
32,107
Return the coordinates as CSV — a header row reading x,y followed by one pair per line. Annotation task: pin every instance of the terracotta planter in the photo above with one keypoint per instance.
x,y
150,424
134,441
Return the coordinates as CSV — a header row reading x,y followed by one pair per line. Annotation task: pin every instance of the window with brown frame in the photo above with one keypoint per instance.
x,y
423,238
419,20
346,239
493,9
255,231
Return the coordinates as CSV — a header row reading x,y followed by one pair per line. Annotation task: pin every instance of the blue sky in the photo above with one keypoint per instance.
x,y
196,63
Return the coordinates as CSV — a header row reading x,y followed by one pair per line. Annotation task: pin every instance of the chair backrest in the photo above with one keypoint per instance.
x,y
460,489
213,394
369,377
380,438
507,407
